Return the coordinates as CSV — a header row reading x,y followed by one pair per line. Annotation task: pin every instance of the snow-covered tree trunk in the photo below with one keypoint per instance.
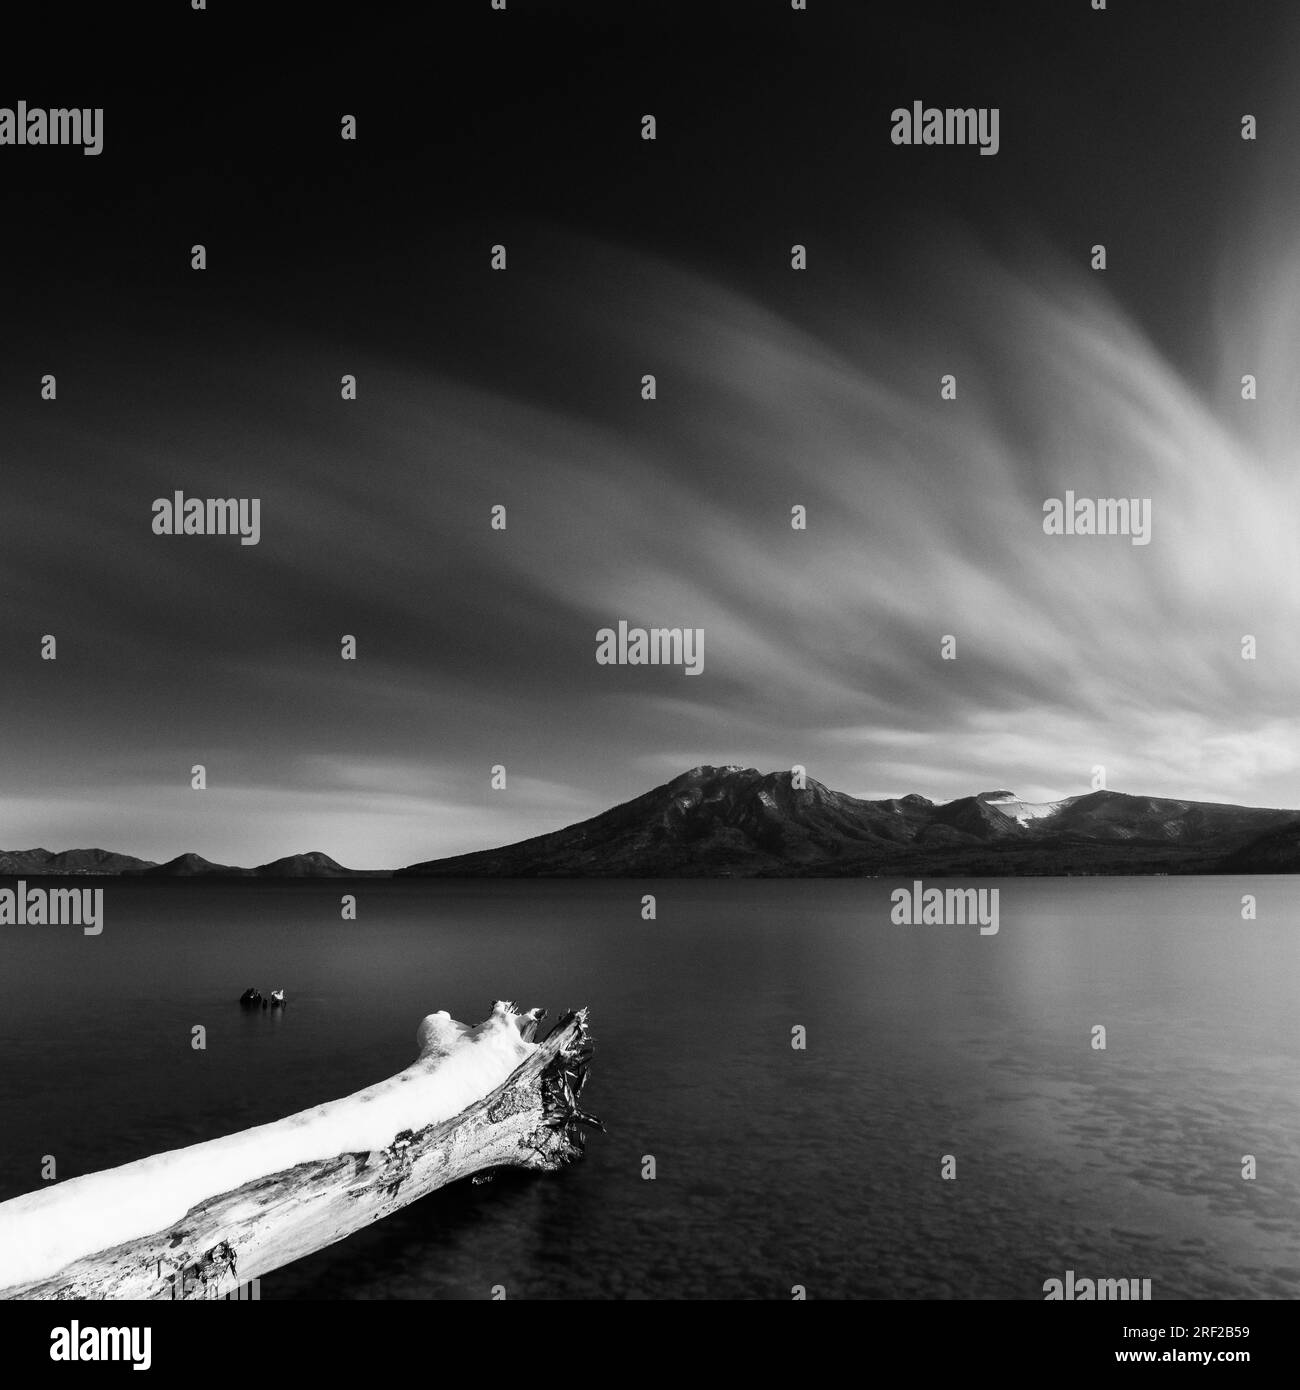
x,y
199,1222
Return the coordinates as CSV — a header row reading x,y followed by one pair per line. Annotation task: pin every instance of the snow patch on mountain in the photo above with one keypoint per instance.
x,y
1022,812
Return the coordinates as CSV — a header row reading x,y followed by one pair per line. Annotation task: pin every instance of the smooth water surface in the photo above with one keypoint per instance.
x,y
774,1166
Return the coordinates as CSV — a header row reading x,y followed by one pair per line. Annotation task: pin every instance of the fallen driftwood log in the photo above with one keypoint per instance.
x,y
199,1222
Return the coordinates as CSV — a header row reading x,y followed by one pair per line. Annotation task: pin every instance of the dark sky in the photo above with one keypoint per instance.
x,y
775,387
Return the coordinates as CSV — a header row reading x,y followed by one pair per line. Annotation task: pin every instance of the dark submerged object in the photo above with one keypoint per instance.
x,y
251,999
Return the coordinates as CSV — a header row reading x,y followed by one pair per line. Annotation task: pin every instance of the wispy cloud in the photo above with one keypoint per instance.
x,y
477,647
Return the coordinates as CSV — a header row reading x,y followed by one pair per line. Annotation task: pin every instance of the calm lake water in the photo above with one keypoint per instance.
x,y
775,1167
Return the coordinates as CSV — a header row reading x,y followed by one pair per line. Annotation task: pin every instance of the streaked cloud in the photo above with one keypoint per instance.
x,y
477,647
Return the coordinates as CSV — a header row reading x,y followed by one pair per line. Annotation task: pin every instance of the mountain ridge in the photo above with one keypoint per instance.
x,y
42,863
736,822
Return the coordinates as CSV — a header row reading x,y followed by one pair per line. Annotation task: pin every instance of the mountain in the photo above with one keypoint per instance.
x,y
709,822
312,865
1274,852
193,866
35,862
738,822
68,862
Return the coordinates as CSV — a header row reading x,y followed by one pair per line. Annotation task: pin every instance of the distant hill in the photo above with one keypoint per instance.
x,y
37,862
739,822
193,866
312,865
68,861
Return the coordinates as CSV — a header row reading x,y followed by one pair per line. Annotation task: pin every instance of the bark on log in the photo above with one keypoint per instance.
x,y
531,1120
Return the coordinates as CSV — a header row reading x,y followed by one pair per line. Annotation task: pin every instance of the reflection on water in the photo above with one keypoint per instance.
x,y
774,1167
